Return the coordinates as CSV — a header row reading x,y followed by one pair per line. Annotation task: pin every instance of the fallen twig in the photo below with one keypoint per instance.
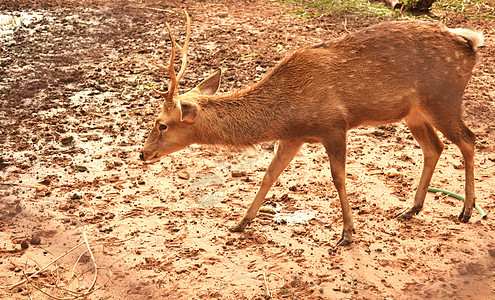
x,y
156,9
28,280
210,230
72,294
77,262
42,269
283,279
266,285
345,25
94,262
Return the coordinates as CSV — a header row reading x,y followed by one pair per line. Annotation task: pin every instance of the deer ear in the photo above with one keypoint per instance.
x,y
188,111
209,85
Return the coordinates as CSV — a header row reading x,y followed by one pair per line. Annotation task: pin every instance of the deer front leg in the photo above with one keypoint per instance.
x,y
285,153
336,150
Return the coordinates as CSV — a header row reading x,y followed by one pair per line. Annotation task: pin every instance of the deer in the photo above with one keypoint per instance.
x,y
392,71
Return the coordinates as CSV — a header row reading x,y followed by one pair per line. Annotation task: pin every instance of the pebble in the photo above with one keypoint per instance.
x,y
378,133
76,197
299,230
35,240
223,14
392,172
67,141
183,175
81,168
268,210
24,244
42,191
238,173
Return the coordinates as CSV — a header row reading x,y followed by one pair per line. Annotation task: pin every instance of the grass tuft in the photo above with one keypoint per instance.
x,y
476,9
339,7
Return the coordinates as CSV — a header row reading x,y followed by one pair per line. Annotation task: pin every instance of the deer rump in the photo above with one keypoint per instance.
x,y
416,71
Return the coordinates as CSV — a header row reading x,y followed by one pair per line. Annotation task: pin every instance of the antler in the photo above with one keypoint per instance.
x,y
173,85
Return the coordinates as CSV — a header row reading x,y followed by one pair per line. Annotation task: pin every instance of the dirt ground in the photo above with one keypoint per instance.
x,y
76,105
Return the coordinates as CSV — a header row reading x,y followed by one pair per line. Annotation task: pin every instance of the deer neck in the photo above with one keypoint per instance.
x,y
237,119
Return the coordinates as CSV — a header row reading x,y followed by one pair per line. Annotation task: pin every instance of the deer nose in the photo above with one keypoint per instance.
x,y
141,156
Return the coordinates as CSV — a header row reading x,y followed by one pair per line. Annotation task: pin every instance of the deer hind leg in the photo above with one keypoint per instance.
x,y
336,150
285,153
432,147
456,131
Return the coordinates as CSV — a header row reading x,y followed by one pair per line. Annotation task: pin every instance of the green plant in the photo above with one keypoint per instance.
x,y
471,8
315,8
476,9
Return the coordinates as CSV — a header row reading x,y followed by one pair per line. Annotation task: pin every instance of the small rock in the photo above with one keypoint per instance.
x,y
35,240
47,181
183,175
268,210
106,229
223,14
24,244
238,173
284,198
42,191
24,166
299,230
378,133
80,168
67,141
392,172
76,197
3,163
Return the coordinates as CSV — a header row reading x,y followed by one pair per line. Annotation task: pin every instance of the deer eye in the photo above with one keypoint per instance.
x,y
162,127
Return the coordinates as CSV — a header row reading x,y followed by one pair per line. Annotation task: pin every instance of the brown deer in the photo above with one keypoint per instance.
x,y
413,71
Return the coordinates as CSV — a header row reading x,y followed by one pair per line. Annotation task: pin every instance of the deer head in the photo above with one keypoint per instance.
x,y
174,127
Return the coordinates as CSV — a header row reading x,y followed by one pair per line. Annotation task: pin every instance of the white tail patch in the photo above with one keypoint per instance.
x,y
475,38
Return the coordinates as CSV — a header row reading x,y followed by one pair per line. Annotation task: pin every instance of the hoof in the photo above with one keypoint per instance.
x,y
239,227
346,238
465,215
407,214
344,242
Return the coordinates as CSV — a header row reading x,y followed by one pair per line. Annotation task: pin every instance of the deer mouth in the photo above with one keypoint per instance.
x,y
153,159
150,159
